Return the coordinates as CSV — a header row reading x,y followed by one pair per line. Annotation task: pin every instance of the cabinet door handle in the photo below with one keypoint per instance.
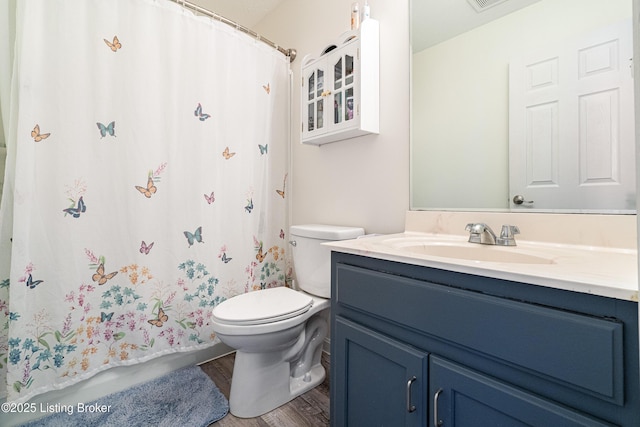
x,y
436,421
410,407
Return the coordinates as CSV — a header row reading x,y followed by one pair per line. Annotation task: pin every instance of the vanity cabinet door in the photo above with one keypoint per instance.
x,y
462,397
376,381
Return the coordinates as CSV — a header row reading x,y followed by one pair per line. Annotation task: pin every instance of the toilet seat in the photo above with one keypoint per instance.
x,y
261,307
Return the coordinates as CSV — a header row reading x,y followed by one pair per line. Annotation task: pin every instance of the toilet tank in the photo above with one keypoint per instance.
x,y
311,260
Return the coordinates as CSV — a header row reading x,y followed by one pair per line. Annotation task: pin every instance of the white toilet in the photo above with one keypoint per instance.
x,y
278,332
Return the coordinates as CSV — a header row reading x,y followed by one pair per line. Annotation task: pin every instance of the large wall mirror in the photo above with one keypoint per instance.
x,y
490,94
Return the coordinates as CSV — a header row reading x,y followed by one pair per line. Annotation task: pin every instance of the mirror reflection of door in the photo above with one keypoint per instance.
x,y
571,125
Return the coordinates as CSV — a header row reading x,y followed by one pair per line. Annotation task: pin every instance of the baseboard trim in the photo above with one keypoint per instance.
x,y
326,345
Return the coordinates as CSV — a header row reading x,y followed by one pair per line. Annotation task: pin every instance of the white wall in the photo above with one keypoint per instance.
x,y
362,181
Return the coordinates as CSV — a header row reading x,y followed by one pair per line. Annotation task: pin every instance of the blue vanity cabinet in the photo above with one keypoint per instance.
x,y
482,351
380,380
463,397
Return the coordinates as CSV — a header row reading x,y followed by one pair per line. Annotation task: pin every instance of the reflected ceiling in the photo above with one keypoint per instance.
x,y
434,21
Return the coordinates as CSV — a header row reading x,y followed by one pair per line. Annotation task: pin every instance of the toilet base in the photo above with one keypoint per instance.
x,y
262,382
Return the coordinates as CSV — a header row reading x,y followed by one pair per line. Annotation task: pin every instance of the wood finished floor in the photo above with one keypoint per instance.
x,y
310,409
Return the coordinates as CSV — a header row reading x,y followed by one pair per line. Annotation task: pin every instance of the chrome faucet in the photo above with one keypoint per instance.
x,y
483,234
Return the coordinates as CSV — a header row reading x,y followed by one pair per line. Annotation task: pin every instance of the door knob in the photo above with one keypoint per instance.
x,y
518,199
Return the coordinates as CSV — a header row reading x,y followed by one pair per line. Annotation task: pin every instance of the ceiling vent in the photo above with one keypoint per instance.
x,y
482,5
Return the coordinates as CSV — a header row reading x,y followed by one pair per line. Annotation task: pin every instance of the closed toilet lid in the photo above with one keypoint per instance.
x,y
264,306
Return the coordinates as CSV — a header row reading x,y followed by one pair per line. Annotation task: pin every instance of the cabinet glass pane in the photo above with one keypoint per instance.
x,y
348,69
310,117
348,112
311,85
320,86
337,107
337,74
320,111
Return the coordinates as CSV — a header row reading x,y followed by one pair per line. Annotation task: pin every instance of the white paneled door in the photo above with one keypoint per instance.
x,y
571,125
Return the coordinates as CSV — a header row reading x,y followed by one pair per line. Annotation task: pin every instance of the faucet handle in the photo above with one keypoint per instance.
x,y
474,230
509,231
507,235
475,227
481,233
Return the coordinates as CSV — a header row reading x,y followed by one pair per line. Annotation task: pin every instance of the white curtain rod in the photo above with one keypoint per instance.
x,y
291,53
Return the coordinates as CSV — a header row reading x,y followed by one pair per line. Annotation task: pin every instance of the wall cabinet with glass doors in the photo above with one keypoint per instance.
x,y
340,89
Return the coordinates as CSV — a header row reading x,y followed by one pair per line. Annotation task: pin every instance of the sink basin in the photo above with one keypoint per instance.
x,y
473,252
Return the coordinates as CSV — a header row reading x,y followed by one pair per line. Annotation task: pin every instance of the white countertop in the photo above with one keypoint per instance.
x,y
598,270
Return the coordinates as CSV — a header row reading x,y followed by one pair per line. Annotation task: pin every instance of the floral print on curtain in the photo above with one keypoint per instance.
x,y
150,185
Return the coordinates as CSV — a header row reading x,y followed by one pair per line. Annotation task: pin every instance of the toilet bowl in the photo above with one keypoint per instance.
x,y
278,332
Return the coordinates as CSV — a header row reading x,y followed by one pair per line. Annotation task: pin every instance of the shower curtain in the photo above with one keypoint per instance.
x,y
146,183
